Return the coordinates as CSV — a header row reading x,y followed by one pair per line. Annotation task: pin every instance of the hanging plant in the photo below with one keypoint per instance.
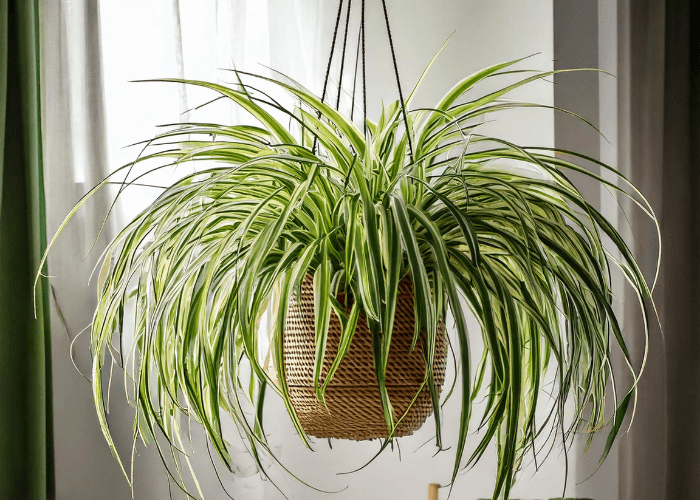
x,y
365,242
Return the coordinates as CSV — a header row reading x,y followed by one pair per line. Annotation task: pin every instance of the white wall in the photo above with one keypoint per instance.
x,y
138,43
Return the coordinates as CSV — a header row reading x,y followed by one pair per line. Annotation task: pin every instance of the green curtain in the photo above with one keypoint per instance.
x,y
26,452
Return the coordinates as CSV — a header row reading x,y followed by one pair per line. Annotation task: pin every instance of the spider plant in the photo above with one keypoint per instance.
x,y
471,219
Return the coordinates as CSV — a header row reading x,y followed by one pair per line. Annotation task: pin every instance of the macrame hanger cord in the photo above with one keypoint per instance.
x,y
342,58
354,80
364,73
362,47
398,81
328,67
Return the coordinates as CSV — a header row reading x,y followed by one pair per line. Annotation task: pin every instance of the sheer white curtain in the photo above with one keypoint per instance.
x,y
92,51
75,155
195,39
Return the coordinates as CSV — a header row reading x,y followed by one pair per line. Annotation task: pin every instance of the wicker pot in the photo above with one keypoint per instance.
x,y
352,396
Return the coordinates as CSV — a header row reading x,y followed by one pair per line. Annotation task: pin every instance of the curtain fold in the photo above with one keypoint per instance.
x,y
681,263
76,156
26,449
659,89
91,112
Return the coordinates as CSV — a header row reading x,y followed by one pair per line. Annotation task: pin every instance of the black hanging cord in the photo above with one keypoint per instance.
x,y
364,74
361,38
398,81
330,60
354,80
342,59
330,56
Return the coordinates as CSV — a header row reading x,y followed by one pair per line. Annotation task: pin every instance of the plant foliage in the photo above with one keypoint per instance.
x,y
472,220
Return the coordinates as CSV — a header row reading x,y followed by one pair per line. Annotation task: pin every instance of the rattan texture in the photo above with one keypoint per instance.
x,y
352,396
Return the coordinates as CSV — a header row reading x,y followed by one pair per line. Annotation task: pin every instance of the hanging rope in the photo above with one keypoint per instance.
x,y
342,59
354,80
364,74
330,60
362,47
330,56
398,81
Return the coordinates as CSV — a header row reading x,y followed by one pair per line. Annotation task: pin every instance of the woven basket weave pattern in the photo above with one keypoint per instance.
x,y
352,396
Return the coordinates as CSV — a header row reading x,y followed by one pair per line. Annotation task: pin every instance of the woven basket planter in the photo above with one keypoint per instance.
x,y
352,397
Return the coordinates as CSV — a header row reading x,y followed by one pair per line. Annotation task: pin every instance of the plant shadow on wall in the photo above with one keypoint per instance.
x,y
346,235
